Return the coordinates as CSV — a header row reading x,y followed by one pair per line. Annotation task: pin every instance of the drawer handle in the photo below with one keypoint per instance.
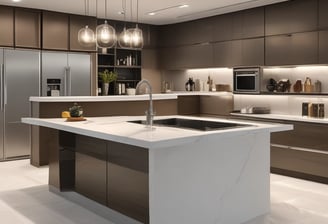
x,y
300,149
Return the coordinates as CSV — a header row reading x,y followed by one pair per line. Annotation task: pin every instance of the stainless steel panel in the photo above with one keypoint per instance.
x,y
54,66
2,110
22,77
80,74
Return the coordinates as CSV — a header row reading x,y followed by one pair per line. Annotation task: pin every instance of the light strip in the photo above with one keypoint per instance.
x,y
167,8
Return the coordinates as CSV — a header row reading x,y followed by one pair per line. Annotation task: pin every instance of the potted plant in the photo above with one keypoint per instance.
x,y
106,78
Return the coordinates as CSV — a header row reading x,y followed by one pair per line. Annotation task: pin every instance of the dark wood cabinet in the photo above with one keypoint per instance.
x,y
55,31
292,49
27,28
323,15
247,52
184,57
323,47
291,17
239,25
7,26
76,23
188,105
128,187
301,152
90,168
194,56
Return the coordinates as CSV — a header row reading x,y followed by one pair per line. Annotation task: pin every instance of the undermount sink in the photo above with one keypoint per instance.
x,y
200,125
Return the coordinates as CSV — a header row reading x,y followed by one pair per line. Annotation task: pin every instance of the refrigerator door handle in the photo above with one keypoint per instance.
x,y
2,87
67,82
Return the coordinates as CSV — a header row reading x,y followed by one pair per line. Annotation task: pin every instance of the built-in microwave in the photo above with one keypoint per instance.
x,y
247,80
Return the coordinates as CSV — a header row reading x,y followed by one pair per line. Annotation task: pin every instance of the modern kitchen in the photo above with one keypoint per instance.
x,y
139,111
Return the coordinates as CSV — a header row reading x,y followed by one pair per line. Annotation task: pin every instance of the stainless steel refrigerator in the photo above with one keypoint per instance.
x,y
20,79
66,74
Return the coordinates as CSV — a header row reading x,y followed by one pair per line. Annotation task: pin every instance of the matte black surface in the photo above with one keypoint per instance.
x,y
200,125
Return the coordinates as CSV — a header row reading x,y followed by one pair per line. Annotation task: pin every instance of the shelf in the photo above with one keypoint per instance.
x,y
288,93
106,66
124,66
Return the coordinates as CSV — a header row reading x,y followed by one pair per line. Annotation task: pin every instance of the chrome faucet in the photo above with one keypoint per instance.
x,y
150,112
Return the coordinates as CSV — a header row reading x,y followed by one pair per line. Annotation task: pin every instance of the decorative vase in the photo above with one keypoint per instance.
x,y
105,88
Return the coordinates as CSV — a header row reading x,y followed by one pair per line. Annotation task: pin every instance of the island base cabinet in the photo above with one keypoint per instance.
x,y
90,168
128,180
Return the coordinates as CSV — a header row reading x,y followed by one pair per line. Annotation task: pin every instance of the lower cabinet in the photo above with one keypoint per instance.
x,y
302,152
110,173
90,168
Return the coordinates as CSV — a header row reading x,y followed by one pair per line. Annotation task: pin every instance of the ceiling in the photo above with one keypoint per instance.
x,y
167,11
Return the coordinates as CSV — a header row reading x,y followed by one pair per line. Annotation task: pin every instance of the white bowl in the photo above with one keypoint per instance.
x,y
131,91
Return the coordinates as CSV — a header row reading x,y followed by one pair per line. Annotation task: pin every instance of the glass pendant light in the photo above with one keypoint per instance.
x,y
106,34
86,36
137,36
125,36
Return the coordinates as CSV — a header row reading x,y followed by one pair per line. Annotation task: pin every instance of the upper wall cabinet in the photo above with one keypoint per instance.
x,y
291,17
27,28
323,15
55,28
292,49
239,25
76,23
248,52
323,47
7,26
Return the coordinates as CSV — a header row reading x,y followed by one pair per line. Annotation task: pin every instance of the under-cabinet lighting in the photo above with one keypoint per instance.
x,y
208,69
16,0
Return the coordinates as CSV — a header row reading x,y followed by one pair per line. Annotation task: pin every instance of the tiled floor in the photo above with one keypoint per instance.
x,y
25,199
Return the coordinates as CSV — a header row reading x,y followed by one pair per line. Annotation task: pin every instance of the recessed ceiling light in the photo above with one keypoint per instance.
x,y
16,0
121,12
183,6
151,13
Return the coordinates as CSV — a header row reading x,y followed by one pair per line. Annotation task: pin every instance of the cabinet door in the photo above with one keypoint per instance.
x,y
194,56
90,168
228,53
27,28
7,26
323,15
76,23
248,23
253,52
291,17
294,49
323,47
54,31
128,186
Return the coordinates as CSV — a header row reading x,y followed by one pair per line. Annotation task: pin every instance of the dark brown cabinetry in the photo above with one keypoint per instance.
x,y
323,47
55,31
323,15
239,25
27,28
292,49
127,187
7,26
239,52
90,168
291,17
302,152
76,23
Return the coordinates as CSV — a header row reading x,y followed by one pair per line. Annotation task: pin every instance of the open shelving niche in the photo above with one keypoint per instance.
x,y
116,59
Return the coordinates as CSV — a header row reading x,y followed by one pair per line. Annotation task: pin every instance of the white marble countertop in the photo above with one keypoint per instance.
x,y
285,117
156,96
119,130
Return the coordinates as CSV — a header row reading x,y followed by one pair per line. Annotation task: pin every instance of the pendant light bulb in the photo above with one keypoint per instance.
x,y
137,38
125,38
86,37
106,36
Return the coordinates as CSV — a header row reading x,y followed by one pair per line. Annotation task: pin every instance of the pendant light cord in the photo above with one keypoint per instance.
x,y
105,9
137,11
131,10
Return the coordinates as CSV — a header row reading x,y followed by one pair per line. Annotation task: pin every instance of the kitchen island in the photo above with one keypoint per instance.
x,y
167,174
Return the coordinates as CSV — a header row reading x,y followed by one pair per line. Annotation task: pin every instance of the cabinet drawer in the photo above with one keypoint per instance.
x,y
306,162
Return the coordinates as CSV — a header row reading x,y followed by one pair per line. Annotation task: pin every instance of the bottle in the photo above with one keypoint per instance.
x,y
307,85
187,85
209,87
321,112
